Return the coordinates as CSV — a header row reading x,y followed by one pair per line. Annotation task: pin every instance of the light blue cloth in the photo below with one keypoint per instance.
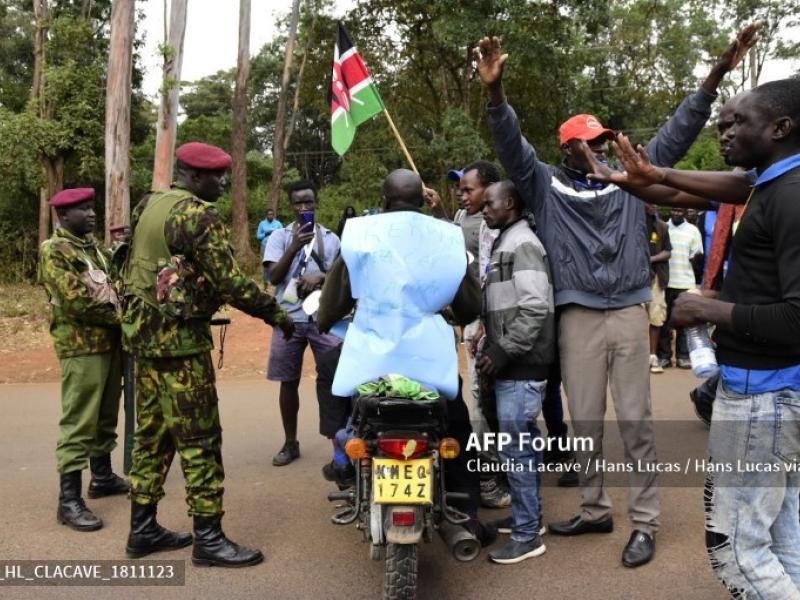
x,y
266,227
760,381
778,169
404,268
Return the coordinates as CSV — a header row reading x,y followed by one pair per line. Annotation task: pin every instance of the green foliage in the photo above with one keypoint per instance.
x,y
704,154
630,62
72,129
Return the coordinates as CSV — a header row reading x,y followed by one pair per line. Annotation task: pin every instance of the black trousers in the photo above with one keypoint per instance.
x,y
664,350
552,407
333,410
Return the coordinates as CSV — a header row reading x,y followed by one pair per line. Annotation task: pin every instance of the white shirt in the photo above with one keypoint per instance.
x,y
686,243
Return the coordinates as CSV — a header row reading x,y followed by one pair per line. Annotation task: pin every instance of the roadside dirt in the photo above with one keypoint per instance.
x,y
27,355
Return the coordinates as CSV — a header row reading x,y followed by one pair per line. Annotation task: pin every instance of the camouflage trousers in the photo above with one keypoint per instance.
x,y
176,409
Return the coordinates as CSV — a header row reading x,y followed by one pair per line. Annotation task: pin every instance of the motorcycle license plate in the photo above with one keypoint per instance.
x,y
402,481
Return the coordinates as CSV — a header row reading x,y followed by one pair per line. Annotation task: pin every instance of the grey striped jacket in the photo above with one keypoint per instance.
x,y
518,308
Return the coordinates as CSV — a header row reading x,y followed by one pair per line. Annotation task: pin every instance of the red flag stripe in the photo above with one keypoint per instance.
x,y
354,71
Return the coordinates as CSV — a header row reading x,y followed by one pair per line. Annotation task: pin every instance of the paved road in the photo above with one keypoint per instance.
x,y
284,512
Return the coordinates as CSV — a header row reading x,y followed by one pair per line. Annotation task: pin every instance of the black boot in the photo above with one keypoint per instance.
x,y
212,548
104,482
72,510
147,536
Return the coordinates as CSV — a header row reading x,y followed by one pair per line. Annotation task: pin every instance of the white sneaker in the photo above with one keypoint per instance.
x,y
655,364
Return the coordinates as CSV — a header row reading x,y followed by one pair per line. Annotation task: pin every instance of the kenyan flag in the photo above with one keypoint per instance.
x,y
354,96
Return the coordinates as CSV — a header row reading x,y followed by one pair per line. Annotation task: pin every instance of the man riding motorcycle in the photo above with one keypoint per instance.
x,y
403,268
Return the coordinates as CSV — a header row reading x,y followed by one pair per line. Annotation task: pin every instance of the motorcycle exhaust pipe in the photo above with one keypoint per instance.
x,y
462,543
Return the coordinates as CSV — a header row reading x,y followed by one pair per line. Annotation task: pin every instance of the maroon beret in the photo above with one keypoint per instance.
x,y
203,156
71,196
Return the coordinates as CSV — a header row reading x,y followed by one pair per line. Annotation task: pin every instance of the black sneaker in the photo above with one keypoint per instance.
x,y
514,552
494,495
556,456
343,476
504,525
703,406
289,452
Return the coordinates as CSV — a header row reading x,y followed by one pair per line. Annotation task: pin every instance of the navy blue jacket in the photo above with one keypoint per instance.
x,y
596,239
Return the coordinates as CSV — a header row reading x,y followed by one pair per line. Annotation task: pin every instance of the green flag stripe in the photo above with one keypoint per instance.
x,y
365,104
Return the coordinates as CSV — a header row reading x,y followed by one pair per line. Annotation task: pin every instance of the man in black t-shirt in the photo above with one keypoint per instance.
x,y
751,497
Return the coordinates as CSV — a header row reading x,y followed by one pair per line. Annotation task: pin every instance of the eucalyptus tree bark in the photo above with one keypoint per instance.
x,y
241,229
167,126
278,153
298,84
41,15
118,116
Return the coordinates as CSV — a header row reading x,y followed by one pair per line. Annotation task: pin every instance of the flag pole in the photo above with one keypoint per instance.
x,y
400,140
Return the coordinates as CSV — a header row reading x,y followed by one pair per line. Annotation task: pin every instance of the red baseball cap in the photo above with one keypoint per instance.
x,y
583,127
204,156
71,196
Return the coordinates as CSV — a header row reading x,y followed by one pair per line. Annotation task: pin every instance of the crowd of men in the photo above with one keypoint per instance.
x,y
572,278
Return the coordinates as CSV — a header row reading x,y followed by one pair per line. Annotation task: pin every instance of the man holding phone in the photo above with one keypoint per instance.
x,y
296,259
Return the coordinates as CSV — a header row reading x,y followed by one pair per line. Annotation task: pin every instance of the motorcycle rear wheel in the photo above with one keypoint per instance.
x,y
400,580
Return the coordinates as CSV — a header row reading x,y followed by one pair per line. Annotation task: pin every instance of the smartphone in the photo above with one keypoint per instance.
x,y
307,221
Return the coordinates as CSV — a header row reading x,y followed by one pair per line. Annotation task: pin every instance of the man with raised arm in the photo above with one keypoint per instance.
x,y
599,253
751,498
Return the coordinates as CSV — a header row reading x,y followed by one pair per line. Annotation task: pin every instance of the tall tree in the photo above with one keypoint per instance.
x,y
41,12
170,89
241,230
118,115
278,152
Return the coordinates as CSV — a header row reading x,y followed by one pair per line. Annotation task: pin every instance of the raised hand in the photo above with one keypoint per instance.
x,y
745,39
431,197
490,60
597,171
639,171
733,55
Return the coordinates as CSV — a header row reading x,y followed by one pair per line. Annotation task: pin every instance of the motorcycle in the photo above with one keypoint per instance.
x,y
398,448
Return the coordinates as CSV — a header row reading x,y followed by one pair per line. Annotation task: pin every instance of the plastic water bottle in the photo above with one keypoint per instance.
x,y
701,352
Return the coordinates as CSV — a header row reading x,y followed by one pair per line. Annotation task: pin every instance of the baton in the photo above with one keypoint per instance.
x,y
130,409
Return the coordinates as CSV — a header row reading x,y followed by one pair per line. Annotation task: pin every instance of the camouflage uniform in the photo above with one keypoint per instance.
x,y
180,271
85,331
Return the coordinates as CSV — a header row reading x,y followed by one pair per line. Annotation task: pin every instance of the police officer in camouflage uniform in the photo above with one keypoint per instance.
x,y
76,273
180,270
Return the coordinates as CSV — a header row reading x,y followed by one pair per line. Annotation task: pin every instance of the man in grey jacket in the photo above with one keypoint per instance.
x,y
599,253
518,316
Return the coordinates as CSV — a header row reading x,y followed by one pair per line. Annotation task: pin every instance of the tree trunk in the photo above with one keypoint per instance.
x,y
54,183
278,153
753,67
41,14
241,229
170,88
296,103
118,116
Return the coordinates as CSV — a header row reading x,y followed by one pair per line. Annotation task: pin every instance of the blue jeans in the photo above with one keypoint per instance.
x,y
519,402
752,524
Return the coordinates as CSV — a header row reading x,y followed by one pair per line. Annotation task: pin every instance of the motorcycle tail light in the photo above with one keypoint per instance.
x,y
356,448
403,448
449,448
403,517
